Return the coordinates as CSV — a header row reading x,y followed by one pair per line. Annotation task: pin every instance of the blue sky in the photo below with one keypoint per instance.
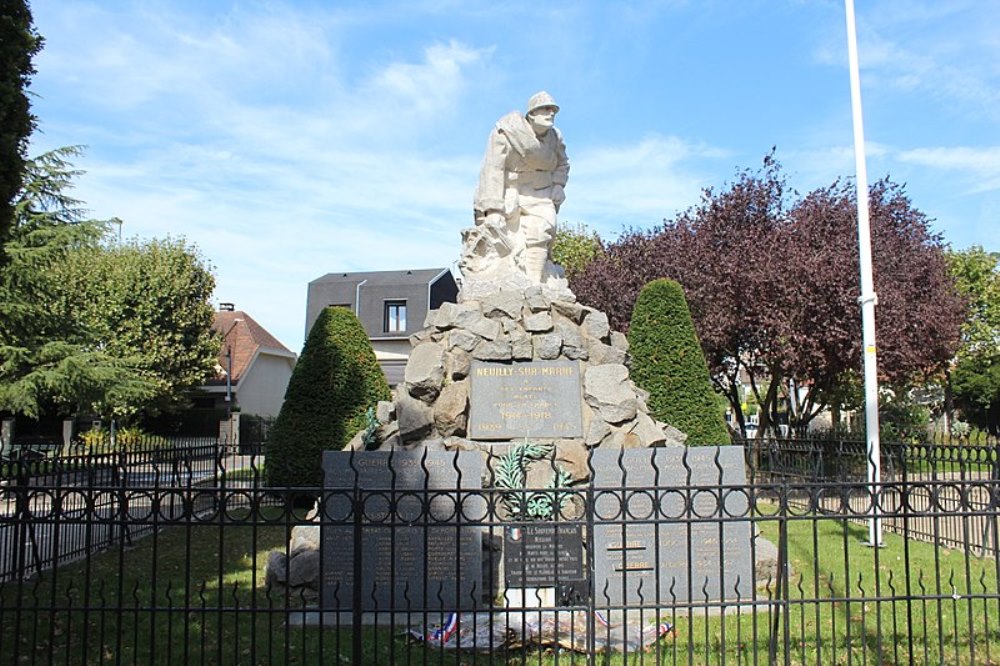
x,y
291,139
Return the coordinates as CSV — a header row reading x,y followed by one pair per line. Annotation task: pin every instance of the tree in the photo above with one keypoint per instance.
x,y
667,362
975,379
772,283
575,247
335,382
976,386
18,45
49,359
150,302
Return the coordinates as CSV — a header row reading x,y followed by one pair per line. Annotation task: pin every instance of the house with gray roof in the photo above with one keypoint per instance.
x,y
390,304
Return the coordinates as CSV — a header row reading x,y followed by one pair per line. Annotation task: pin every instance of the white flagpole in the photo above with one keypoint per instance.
x,y
868,296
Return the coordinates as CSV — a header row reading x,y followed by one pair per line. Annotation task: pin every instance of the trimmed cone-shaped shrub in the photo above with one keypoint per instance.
x,y
668,362
334,383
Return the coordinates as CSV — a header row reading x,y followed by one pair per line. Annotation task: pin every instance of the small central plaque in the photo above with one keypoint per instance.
x,y
534,399
542,555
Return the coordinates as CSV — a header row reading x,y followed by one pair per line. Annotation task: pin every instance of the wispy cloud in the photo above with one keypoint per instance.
x,y
980,163
637,184
288,139
946,51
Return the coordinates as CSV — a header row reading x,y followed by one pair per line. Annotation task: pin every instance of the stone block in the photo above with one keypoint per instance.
x,y
505,304
536,300
415,418
674,437
538,322
521,347
388,436
493,350
572,342
419,336
619,341
602,354
425,371
455,443
622,439
488,329
547,346
276,568
385,411
572,456
463,340
303,569
606,389
456,364
451,315
595,325
572,311
647,431
596,433
450,409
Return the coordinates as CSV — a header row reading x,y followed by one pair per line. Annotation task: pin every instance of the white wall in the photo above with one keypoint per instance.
x,y
262,390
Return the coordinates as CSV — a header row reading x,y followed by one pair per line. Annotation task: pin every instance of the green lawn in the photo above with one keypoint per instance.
x,y
196,595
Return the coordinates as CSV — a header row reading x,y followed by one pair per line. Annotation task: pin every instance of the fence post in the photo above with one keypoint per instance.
x,y
356,619
781,593
591,576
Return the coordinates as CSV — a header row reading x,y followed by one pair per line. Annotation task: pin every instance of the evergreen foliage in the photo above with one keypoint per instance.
x,y
18,45
92,326
667,361
50,361
335,382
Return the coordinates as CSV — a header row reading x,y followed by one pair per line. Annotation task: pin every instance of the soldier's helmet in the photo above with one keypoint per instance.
x,y
540,99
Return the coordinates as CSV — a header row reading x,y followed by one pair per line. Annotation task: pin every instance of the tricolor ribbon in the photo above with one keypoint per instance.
x,y
445,631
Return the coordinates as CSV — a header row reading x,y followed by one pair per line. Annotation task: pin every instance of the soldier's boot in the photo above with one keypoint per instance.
x,y
534,263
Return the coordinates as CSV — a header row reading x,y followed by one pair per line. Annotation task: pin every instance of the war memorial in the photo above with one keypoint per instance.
x,y
515,501
519,470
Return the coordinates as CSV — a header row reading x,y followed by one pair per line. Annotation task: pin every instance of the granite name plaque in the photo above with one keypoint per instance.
x,y
410,514
532,399
543,555
671,525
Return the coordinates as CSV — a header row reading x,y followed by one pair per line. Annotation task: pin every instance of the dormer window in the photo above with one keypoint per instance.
x,y
395,317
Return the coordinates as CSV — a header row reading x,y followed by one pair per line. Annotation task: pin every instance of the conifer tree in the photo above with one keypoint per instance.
x,y
667,361
335,382
18,45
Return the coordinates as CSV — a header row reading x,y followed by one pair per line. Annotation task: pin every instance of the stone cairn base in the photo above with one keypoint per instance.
x,y
430,409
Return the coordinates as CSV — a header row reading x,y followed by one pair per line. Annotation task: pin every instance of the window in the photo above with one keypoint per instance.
x,y
395,316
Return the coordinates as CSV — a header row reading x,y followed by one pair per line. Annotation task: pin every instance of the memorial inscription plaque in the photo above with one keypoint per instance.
x,y
416,551
542,555
532,399
660,537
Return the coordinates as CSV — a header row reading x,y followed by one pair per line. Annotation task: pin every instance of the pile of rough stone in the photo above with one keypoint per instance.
x,y
296,573
431,407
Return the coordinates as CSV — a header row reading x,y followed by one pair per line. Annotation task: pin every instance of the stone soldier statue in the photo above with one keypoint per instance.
x,y
520,190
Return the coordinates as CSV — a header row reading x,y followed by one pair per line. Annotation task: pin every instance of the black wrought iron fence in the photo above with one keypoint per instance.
x,y
667,556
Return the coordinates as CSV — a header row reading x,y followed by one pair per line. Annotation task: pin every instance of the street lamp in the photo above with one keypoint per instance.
x,y
229,367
